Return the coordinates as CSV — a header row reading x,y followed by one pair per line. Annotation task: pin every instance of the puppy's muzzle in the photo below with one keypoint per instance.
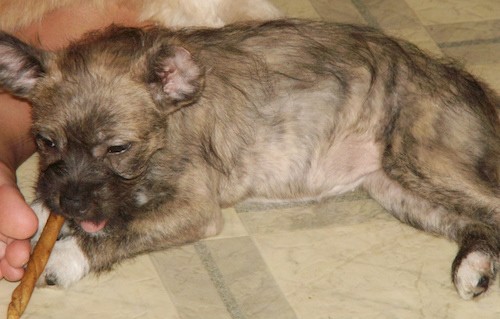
x,y
74,199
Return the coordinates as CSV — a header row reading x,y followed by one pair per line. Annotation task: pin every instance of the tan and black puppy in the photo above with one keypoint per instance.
x,y
145,134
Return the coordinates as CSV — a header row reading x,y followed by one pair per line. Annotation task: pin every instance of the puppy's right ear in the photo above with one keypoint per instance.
x,y
20,66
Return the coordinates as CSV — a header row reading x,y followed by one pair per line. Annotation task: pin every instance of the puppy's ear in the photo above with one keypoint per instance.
x,y
20,66
177,80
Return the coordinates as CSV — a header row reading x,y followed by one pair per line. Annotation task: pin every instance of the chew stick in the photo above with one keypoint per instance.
x,y
22,294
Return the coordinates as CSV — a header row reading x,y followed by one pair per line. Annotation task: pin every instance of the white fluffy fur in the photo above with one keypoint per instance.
x,y
475,266
175,13
67,263
42,213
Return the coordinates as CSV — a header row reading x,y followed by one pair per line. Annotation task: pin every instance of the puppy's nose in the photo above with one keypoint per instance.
x,y
72,200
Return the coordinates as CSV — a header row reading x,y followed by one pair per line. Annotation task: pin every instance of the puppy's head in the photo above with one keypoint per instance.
x,y
99,116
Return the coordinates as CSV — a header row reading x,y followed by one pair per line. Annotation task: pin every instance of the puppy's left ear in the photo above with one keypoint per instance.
x,y
174,76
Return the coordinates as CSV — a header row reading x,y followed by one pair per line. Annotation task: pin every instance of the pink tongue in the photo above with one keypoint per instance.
x,y
91,227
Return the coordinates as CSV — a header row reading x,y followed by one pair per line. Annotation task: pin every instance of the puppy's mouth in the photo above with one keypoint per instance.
x,y
92,226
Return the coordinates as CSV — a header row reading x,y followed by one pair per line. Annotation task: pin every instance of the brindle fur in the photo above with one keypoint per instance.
x,y
285,110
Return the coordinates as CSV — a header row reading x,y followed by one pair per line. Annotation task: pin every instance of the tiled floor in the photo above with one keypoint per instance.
x,y
340,258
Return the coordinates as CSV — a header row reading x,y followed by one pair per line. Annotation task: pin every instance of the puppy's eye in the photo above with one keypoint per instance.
x,y
45,142
118,149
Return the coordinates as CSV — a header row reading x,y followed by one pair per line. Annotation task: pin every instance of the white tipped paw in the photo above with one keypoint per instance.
x,y
67,264
474,274
42,213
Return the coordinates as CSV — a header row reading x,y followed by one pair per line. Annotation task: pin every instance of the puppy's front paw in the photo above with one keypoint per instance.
x,y
474,274
67,264
42,213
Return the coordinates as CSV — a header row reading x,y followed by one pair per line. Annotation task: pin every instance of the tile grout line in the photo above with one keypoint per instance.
x,y
217,279
372,21
455,44
365,13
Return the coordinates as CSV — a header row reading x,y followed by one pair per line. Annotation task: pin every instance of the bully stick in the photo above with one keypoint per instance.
x,y
36,264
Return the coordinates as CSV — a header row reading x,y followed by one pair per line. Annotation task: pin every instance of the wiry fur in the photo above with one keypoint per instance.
x,y
153,131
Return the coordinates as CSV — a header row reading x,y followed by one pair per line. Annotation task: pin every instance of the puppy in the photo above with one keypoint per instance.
x,y
15,14
144,134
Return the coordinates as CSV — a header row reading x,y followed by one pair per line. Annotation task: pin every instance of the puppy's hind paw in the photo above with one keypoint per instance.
x,y
473,274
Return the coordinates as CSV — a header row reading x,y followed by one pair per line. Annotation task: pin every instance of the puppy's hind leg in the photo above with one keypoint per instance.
x,y
474,267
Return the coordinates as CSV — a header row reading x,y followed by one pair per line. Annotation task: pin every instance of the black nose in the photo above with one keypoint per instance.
x,y
74,198
71,202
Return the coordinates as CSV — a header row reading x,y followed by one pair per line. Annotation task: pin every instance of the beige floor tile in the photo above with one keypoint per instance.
x,y
453,11
27,176
391,14
245,279
418,36
258,206
193,293
297,9
484,53
342,11
132,290
324,214
455,33
372,270
233,227
6,289
488,73
221,278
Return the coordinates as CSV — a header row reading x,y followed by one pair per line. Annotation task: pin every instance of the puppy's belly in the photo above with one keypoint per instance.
x,y
343,166
327,171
